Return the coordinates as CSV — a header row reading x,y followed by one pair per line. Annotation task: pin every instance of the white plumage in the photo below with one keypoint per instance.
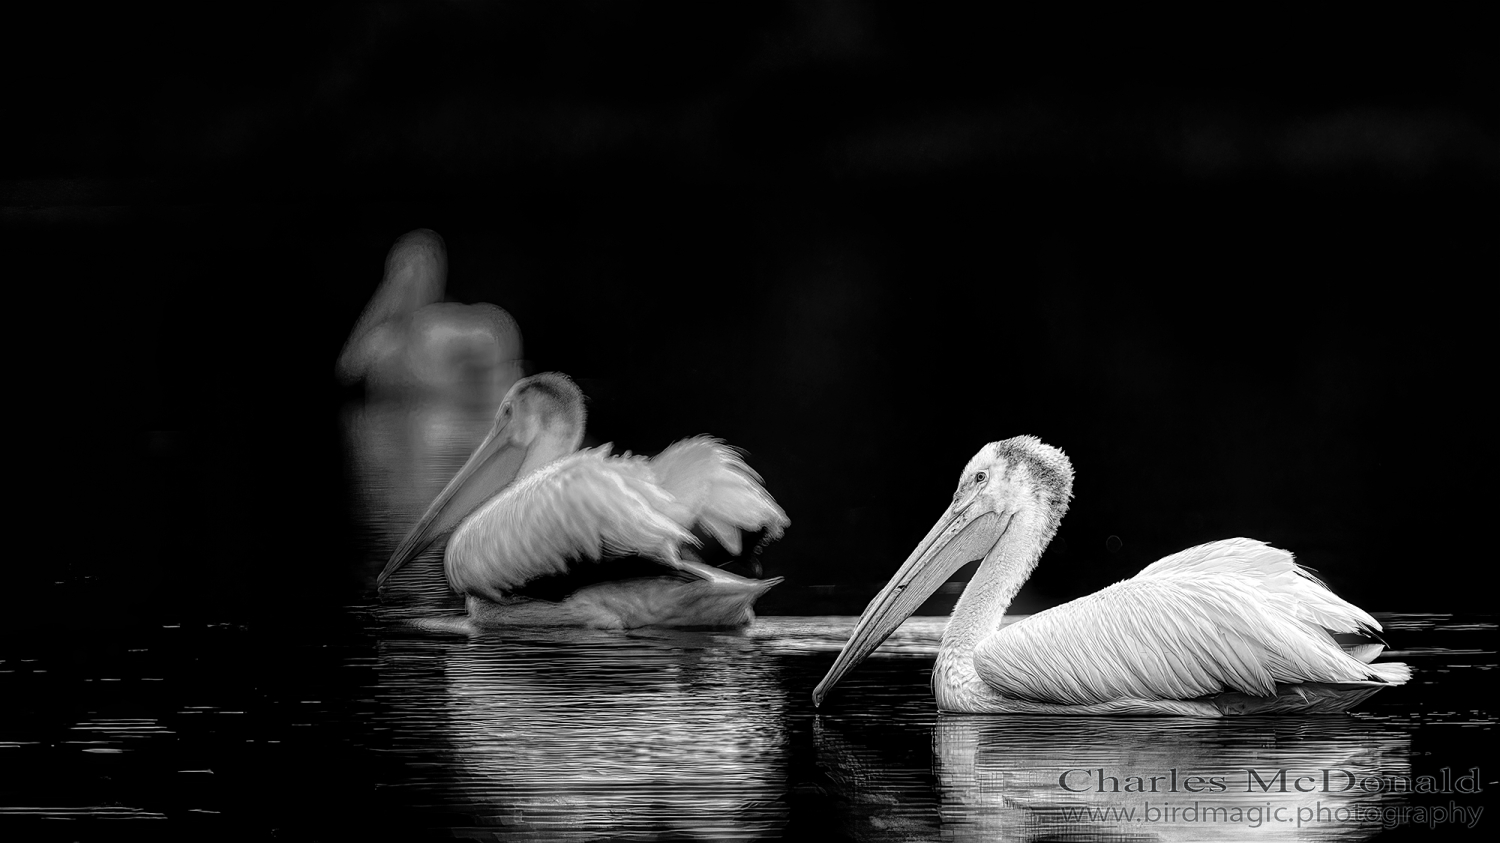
x,y
1230,615
533,506
1229,627
589,505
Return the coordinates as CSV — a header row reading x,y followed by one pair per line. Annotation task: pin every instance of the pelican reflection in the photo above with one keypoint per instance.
x,y
1036,777
582,735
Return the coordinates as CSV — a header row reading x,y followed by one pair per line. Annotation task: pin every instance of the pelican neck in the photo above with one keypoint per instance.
x,y
549,447
980,610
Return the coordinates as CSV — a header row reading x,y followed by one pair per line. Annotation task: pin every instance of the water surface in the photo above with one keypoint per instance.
x,y
379,729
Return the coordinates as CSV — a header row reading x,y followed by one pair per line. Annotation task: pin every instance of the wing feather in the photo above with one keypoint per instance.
x,y
1286,583
718,490
583,506
1236,615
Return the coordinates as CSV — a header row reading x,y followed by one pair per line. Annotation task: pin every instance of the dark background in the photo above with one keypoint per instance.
x,y
1241,269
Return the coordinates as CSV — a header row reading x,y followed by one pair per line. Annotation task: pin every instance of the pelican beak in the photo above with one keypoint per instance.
x,y
964,534
493,466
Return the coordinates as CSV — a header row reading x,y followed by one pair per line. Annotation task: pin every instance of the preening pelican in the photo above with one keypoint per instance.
x,y
409,339
1228,627
548,535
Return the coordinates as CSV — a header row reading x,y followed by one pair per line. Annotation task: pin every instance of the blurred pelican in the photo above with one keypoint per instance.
x,y
409,340
1229,627
548,535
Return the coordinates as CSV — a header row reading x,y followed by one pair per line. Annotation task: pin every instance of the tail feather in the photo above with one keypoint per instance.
x,y
1392,673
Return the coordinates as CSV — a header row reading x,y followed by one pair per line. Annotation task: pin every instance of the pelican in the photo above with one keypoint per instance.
x,y
1228,627
550,535
408,339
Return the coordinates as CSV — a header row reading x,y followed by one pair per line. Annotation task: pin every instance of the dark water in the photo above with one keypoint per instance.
x,y
378,721
371,728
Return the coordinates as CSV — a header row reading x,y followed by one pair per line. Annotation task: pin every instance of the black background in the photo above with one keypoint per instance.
x,y
1240,268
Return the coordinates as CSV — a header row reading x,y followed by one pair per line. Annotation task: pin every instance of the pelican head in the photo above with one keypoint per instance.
x,y
1012,495
541,420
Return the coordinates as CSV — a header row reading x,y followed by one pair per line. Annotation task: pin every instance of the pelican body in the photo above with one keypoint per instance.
x,y
1229,627
546,534
408,340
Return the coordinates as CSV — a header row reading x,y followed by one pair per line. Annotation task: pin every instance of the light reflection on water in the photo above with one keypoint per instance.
x,y
574,735
599,735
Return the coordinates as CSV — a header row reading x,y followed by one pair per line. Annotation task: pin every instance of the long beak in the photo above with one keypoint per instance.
x,y
956,539
493,466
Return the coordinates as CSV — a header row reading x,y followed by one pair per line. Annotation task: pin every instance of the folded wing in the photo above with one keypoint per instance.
x,y
1235,615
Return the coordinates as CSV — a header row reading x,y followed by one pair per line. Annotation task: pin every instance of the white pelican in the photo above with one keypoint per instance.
x,y
1229,627
409,339
548,535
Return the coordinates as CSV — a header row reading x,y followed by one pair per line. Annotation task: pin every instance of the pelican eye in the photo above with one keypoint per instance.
x,y
979,477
